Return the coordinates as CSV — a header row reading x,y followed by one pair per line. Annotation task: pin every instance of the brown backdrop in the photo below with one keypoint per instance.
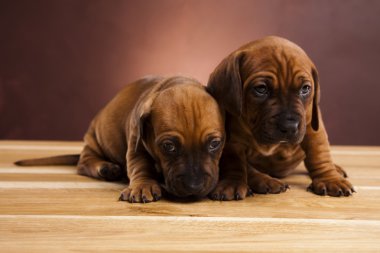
x,y
62,60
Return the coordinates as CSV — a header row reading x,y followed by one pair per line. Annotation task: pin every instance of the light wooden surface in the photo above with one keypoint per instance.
x,y
51,209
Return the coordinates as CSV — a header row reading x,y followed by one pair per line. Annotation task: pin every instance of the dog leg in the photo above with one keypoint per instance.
x,y
232,183
143,186
331,181
328,178
263,183
92,164
341,171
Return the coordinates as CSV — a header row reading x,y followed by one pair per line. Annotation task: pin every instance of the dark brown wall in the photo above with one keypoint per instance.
x,y
62,60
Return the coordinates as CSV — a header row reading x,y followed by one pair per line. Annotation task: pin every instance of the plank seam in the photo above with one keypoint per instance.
x,y
198,219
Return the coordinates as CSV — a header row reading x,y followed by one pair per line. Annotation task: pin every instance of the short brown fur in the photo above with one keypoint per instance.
x,y
270,91
157,132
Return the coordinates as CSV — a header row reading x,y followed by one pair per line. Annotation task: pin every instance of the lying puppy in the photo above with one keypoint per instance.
x,y
168,128
270,90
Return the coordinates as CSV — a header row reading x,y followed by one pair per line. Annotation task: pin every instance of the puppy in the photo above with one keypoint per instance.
x,y
167,131
270,91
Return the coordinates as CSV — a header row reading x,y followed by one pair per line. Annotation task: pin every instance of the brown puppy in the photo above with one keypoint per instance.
x,y
270,91
157,128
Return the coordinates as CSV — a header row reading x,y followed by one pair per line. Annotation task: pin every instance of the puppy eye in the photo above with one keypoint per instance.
x,y
168,147
261,89
214,145
306,89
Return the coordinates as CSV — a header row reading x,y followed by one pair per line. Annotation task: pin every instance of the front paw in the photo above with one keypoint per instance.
x,y
143,192
229,190
264,184
333,187
341,171
110,171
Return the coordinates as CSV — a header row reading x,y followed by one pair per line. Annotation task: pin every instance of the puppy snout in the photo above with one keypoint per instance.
x,y
192,181
289,126
193,184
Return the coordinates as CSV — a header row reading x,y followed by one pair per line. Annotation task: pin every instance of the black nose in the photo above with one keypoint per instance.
x,y
193,186
289,126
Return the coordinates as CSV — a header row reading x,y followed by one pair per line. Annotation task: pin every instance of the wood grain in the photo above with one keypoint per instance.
x,y
185,234
51,209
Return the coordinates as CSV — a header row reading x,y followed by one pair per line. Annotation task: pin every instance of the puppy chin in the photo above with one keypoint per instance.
x,y
176,188
273,136
292,141
274,139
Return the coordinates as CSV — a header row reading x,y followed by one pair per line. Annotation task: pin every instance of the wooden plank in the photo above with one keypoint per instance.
x,y
13,150
40,145
11,169
18,177
293,204
192,234
50,208
365,176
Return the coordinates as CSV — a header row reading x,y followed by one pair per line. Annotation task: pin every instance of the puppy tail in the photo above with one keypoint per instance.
x,y
52,160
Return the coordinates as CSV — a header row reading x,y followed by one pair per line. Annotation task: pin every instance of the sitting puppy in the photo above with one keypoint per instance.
x,y
156,128
270,90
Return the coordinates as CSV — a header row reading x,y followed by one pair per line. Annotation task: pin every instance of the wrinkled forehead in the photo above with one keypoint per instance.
x,y
284,60
187,109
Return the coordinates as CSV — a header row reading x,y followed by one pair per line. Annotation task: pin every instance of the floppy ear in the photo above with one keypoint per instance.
x,y
140,129
225,84
142,115
315,109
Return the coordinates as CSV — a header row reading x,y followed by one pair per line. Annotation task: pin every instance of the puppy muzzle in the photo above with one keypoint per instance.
x,y
283,128
186,185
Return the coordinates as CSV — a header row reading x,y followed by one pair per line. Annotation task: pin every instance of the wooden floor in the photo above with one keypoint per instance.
x,y
51,209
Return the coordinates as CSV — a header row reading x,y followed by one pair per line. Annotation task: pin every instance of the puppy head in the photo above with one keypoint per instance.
x,y
273,85
184,132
